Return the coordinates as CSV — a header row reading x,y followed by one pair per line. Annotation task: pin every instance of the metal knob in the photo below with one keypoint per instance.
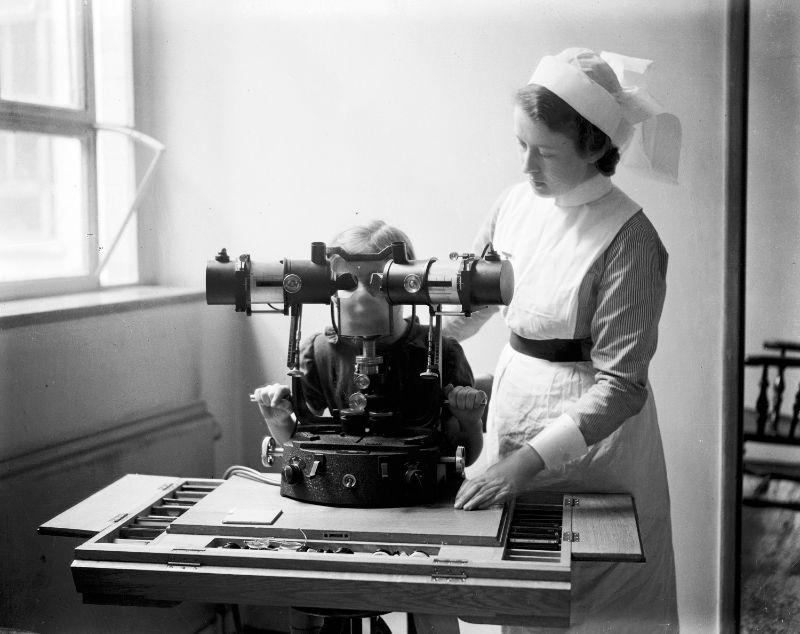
x,y
269,449
292,473
459,460
414,479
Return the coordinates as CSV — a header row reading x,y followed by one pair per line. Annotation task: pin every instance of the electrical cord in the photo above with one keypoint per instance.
x,y
251,474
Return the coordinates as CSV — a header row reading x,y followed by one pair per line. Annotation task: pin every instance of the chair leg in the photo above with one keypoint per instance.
x,y
762,503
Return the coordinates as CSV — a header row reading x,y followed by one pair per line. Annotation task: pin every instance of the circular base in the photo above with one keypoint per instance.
x,y
366,471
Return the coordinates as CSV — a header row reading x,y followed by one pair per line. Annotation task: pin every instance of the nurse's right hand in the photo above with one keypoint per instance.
x,y
274,403
501,482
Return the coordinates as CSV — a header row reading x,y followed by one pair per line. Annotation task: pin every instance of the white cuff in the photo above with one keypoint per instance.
x,y
559,442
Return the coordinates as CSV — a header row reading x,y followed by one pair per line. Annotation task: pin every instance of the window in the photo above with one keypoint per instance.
x,y
67,151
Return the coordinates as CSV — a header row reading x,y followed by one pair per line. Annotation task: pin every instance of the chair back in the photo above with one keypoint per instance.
x,y
771,423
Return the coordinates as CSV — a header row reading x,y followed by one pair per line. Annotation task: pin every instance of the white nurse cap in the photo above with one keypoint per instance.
x,y
608,90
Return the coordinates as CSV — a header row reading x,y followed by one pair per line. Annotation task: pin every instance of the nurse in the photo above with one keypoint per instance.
x,y
571,407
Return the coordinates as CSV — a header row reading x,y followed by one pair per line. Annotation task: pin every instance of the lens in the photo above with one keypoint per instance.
x,y
292,283
361,381
412,283
357,401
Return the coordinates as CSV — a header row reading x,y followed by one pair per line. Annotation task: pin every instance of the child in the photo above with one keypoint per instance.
x,y
328,359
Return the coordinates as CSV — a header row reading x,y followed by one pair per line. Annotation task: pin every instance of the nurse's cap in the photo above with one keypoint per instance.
x,y
609,91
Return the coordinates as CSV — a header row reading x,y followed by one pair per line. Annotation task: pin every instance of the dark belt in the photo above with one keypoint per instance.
x,y
558,350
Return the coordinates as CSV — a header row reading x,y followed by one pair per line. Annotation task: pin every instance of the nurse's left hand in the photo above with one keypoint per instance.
x,y
501,482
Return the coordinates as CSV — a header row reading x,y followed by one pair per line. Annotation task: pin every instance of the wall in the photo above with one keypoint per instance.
x,y
773,227
87,396
284,121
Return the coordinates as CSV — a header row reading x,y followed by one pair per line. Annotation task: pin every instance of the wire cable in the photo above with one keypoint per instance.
x,y
251,474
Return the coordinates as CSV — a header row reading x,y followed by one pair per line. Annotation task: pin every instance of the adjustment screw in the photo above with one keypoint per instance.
x,y
349,481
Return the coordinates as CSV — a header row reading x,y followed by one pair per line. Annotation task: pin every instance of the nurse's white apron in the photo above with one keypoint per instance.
x,y
552,251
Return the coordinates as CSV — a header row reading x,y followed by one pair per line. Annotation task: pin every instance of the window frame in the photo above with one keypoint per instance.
x,y
74,123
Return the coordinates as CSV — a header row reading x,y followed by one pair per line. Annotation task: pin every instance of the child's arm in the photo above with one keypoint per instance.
x,y
466,404
275,404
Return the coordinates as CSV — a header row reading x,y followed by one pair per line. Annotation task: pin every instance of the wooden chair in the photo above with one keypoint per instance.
x,y
767,422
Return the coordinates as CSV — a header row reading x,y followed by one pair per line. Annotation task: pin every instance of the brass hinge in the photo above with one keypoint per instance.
x,y
192,550
569,536
447,570
341,536
191,564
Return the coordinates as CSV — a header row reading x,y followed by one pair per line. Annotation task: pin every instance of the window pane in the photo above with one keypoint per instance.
x,y
113,64
42,193
115,195
41,52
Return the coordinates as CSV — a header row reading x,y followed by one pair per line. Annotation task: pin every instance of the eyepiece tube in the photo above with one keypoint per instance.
x,y
468,282
246,283
221,283
492,283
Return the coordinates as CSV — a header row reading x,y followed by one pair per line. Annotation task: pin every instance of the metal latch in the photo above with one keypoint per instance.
x,y
448,570
570,501
569,536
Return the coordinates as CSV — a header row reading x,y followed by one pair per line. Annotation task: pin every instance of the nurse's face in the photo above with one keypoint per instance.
x,y
551,159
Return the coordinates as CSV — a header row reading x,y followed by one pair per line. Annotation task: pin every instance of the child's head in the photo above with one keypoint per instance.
x,y
365,312
371,237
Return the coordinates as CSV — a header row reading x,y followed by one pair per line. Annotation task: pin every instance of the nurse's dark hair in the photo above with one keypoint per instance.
x,y
371,237
540,104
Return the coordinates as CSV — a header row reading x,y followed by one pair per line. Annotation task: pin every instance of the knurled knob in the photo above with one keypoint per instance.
x,y
414,479
291,473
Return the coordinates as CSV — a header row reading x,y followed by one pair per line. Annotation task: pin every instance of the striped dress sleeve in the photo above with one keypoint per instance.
x,y
624,329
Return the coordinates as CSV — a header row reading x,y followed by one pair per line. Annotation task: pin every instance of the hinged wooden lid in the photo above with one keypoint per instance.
x,y
607,528
113,504
437,523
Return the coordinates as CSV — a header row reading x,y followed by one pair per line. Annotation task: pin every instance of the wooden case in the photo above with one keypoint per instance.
x,y
161,540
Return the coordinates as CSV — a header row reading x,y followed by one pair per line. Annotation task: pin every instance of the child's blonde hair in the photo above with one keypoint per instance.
x,y
371,237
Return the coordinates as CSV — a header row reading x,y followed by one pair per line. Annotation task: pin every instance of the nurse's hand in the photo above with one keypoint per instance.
x,y
276,407
501,482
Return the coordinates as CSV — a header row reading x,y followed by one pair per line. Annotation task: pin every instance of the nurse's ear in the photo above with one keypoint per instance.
x,y
596,153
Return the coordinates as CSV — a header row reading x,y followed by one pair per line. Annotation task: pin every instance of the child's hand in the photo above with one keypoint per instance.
x,y
274,403
466,426
466,404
